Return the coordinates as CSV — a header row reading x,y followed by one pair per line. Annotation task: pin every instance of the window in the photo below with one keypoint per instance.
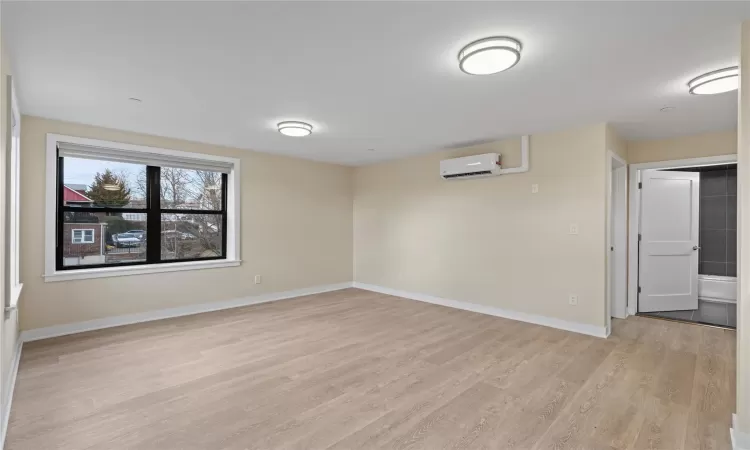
x,y
12,204
83,236
124,209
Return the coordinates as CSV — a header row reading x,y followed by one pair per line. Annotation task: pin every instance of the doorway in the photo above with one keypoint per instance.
x,y
685,228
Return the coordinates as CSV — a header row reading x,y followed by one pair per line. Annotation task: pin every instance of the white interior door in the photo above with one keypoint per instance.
x,y
669,241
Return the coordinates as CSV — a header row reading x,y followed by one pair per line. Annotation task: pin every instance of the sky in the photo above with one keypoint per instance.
x,y
82,171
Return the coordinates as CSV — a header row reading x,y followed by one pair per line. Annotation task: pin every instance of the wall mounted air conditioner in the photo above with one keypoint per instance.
x,y
471,166
486,165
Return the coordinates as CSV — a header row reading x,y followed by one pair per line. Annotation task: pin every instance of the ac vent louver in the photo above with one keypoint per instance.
x,y
468,174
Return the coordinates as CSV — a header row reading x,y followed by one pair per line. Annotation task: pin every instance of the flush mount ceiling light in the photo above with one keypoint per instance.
x,y
716,82
294,128
489,55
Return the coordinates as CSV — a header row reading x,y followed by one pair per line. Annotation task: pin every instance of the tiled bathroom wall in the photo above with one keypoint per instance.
x,y
718,221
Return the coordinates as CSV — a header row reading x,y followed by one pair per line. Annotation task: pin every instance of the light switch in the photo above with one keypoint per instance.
x,y
534,188
573,228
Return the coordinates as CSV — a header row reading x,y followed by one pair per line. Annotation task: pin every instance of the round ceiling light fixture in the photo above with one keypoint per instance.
x,y
716,82
489,55
294,128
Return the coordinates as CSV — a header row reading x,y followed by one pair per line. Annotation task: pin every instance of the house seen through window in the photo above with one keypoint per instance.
x,y
113,213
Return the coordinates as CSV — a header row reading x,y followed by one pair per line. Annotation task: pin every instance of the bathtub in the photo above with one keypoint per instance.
x,y
714,288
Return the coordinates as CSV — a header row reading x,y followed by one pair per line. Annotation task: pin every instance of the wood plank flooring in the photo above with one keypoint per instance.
x,y
354,369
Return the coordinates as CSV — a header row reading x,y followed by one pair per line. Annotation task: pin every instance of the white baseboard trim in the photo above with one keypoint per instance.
x,y
10,386
740,440
552,322
108,322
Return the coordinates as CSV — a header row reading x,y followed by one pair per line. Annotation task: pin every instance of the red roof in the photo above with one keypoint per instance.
x,y
69,195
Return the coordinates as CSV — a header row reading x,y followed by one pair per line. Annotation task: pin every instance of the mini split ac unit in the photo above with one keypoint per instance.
x,y
485,165
470,166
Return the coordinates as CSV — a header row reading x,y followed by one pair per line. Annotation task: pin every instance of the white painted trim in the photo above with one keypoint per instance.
x,y
10,388
616,237
139,148
635,212
108,322
104,272
683,163
634,199
740,440
233,214
12,275
592,330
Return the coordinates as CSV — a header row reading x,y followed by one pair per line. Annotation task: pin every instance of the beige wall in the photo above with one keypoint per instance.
x,y
615,143
694,146
491,241
9,323
296,233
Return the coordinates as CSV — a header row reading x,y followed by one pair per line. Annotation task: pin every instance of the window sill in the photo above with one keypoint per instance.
x,y
83,274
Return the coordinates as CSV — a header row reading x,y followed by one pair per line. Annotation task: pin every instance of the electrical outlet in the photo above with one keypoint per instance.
x,y
573,299
258,279
573,228
534,188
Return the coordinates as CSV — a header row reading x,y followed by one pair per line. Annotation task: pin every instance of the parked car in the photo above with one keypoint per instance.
x,y
126,240
138,233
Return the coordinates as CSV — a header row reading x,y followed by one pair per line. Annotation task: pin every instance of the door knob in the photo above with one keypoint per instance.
x,y
695,247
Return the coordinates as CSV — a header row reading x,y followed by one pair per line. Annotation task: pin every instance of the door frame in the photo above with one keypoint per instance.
x,y
634,220
617,209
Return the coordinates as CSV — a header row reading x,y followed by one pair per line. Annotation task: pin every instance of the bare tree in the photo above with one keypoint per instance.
x,y
186,235
139,188
175,187
206,192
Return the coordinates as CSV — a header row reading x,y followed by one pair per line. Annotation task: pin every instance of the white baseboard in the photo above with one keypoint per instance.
x,y
10,386
108,322
740,440
583,328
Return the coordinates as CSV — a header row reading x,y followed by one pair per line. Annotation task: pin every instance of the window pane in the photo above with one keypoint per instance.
x,y
103,238
190,189
190,236
92,183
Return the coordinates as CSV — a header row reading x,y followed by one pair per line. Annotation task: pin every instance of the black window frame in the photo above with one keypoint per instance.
x,y
153,213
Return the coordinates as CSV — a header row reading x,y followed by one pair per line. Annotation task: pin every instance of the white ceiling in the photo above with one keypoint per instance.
x,y
380,75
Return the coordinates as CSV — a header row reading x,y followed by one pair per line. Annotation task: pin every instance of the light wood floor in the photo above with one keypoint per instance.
x,y
354,369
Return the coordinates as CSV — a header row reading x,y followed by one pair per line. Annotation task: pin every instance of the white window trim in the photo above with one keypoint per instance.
x,y
233,214
13,285
83,236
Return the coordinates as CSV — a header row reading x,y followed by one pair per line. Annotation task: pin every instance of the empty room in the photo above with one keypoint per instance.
x,y
374,225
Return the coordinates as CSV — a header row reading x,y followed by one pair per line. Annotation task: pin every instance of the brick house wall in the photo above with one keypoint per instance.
x,y
73,250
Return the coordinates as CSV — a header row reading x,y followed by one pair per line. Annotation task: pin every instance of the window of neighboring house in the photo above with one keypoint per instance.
x,y
83,236
12,205
143,209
